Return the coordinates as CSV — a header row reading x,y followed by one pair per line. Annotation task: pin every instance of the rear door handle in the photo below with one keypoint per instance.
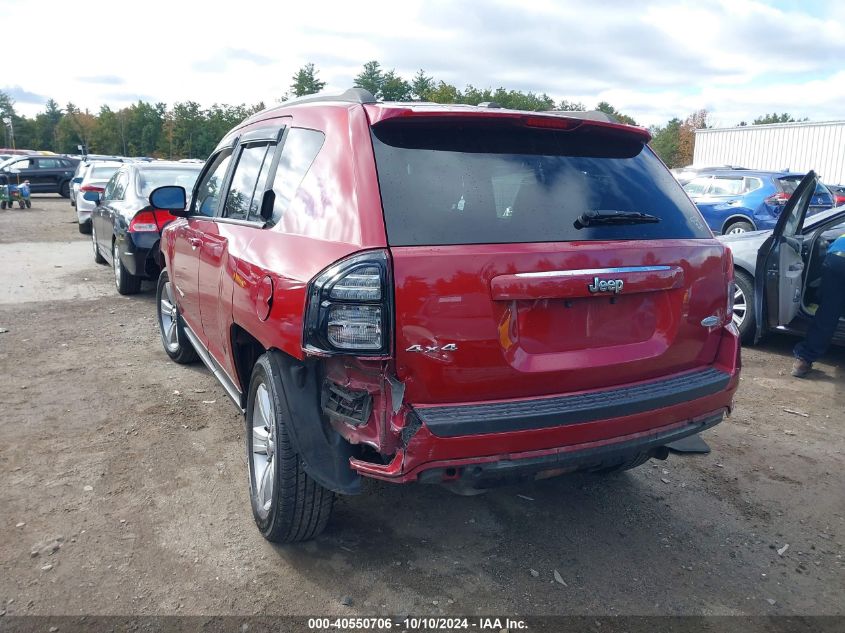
x,y
796,267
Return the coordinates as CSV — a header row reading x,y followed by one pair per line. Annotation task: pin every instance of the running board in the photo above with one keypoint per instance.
x,y
214,367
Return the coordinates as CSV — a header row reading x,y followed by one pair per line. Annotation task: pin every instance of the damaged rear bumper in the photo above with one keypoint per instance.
x,y
580,444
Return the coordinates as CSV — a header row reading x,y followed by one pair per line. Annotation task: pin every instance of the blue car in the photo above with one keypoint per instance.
x,y
739,201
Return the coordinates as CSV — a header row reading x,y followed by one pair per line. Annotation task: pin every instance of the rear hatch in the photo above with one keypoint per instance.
x,y
822,198
537,255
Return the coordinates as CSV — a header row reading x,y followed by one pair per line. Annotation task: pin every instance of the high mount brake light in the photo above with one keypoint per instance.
x,y
349,308
555,123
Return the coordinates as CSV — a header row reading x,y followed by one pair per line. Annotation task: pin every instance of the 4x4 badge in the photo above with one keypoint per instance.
x,y
606,285
430,349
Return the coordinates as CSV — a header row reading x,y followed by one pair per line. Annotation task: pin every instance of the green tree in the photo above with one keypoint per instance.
x,y
665,141
421,86
371,78
774,117
305,81
571,106
187,129
394,88
604,106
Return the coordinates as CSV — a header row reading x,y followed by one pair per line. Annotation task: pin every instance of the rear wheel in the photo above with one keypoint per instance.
x,y
64,189
126,282
288,506
170,325
740,226
84,227
743,316
3,204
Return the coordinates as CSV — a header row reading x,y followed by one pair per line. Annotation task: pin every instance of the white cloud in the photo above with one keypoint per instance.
x,y
652,60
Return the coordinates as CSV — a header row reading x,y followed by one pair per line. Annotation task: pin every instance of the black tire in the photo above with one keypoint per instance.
x,y
85,227
21,204
740,226
299,508
747,327
183,352
3,204
125,282
64,189
632,462
98,258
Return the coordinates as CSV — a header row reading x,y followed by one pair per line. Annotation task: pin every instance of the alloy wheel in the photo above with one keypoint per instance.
x,y
736,229
116,263
740,307
169,316
263,450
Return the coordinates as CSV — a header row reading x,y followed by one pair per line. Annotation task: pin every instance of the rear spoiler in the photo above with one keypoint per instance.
x,y
565,121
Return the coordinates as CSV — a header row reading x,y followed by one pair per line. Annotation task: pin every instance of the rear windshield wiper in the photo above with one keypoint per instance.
x,y
605,216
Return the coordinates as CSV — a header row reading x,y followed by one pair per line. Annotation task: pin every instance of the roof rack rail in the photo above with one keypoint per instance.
x,y
489,104
352,95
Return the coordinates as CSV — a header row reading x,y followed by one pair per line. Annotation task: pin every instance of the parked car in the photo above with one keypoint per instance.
x,y
778,271
736,202
125,229
838,192
443,294
46,174
94,181
81,168
684,174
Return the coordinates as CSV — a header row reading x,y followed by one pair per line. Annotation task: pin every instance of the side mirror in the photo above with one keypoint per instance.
x,y
170,198
92,196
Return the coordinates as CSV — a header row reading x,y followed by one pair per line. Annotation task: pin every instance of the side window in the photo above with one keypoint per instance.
x,y
208,191
109,190
697,186
20,165
48,163
240,201
752,184
121,180
726,186
299,151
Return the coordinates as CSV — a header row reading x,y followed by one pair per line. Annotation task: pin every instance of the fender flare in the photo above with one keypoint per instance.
x,y
325,454
738,216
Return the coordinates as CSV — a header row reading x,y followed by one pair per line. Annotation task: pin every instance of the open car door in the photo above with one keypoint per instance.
x,y
779,275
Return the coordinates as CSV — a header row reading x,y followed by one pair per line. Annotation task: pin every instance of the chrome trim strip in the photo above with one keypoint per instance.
x,y
218,372
593,271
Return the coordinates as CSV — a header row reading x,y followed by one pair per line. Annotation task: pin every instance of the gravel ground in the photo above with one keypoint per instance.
x,y
123,488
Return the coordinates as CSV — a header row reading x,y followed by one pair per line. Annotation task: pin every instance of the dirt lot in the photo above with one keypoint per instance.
x,y
123,488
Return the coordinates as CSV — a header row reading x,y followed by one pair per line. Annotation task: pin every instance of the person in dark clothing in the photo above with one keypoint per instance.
x,y
832,306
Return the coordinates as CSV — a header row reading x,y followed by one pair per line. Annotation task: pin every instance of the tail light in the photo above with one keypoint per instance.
x,y
839,199
349,307
778,199
92,188
150,221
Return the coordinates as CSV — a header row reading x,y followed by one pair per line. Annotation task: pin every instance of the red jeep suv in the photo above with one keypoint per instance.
x,y
443,294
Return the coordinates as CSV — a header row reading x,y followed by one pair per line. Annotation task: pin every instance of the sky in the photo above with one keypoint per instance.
x,y
651,59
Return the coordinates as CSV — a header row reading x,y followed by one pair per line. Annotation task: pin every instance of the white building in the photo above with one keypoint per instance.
x,y
794,146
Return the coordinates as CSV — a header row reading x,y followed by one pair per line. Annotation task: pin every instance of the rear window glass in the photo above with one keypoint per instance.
x,y
476,183
103,173
149,179
790,183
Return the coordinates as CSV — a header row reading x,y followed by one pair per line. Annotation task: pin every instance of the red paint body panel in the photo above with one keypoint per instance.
x,y
532,347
